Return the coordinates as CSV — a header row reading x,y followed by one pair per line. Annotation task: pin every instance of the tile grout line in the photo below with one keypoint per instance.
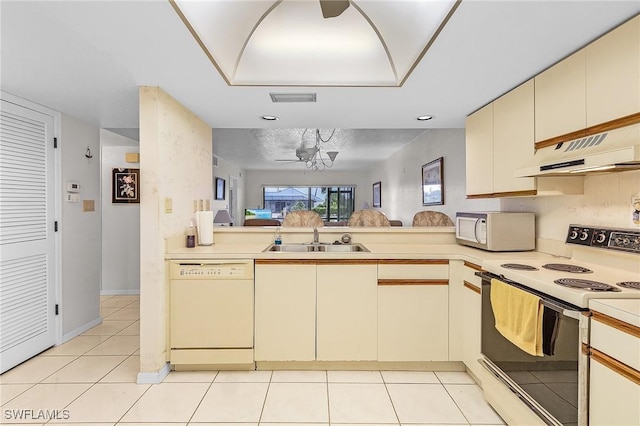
x,y
203,396
456,404
266,395
390,399
326,378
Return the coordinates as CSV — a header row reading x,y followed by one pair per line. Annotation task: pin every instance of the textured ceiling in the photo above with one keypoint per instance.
x,y
260,148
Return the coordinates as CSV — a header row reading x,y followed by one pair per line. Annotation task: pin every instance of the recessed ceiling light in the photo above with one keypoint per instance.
x,y
269,117
424,117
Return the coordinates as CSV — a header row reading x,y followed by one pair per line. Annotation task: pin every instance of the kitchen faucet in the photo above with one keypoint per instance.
x,y
315,235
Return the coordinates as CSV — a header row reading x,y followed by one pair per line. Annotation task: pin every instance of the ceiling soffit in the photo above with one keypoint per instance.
x,y
289,43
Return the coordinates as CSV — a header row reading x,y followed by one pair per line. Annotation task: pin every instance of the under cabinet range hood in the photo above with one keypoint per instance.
x,y
615,150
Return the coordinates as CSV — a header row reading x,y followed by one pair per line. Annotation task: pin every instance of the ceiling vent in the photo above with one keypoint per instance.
x,y
292,97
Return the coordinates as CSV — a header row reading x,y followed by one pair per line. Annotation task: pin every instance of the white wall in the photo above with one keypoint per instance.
x,y
176,164
401,176
606,202
120,222
81,247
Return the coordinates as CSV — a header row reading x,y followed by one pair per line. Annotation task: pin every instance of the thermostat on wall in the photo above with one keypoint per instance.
x,y
73,187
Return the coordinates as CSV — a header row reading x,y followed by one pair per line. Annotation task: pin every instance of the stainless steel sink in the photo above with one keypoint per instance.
x,y
317,248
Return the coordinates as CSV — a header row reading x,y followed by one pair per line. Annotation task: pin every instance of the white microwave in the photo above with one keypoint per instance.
x,y
496,231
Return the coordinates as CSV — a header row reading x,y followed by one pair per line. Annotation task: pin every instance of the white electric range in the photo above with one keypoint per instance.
x,y
605,263
596,273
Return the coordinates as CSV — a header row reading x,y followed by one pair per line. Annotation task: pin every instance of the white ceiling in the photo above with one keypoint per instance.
x,y
87,59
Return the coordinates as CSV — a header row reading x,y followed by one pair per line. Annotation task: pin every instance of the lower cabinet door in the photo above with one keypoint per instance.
x,y
347,312
413,323
471,327
285,311
613,398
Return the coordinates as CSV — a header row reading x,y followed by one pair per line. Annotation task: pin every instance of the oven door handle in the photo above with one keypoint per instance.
x,y
563,308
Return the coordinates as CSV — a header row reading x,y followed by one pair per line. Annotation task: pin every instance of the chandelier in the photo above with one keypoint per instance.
x,y
313,157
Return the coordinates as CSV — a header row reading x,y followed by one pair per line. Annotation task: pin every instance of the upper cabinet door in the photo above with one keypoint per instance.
x,y
513,138
560,105
613,74
479,151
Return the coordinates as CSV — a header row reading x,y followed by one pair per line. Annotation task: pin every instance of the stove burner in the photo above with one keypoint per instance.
x,y
630,284
519,266
563,267
585,284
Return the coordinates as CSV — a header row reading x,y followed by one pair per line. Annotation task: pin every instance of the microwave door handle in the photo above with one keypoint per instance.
x,y
475,231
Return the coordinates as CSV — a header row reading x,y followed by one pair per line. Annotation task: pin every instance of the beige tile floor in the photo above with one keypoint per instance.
x,y
91,380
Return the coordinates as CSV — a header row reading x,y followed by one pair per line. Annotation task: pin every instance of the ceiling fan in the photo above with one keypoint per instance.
x,y
333,8
312,156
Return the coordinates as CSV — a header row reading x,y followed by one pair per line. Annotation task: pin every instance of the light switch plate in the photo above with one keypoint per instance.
x,y
73,198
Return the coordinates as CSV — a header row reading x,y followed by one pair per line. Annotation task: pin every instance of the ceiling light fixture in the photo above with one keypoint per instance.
x,y
424,117
269,117
311,43
312,157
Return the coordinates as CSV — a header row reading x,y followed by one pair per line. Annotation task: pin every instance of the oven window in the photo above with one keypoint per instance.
x,y
551,380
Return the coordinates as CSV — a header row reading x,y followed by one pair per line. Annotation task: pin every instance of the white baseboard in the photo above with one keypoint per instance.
x,y
78,331
119,292
154,377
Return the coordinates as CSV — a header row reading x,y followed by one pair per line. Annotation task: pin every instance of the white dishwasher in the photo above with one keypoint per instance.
x,y
211,314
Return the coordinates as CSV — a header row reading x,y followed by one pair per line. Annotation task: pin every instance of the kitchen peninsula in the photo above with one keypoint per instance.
x,y
395,306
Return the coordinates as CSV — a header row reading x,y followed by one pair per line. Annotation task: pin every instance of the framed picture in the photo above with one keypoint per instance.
x,y
377,194
433,183
219,188
125,186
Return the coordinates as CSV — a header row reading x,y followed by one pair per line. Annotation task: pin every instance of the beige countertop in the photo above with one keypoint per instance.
x,y
627,310
376,251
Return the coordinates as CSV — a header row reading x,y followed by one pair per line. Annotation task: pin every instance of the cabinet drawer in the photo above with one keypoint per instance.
x,y
431,269
608,335
469,274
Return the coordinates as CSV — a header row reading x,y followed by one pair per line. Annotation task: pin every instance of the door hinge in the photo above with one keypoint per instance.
x,y
57,309
55,142
55,226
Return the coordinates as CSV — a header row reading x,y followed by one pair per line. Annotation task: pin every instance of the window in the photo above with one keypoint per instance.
x,y
283,199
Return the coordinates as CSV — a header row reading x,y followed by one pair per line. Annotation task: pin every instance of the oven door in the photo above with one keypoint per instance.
x,y
554,386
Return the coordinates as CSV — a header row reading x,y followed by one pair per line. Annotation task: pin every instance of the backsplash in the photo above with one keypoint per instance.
x,y
606,201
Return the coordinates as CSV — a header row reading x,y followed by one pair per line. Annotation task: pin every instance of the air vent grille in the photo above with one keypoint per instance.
x,y
587,142
292,97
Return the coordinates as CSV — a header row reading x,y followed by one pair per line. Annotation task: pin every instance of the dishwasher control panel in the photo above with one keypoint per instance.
x,y
212,270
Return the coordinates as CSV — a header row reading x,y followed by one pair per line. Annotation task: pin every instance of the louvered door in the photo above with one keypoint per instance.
x,y
27,245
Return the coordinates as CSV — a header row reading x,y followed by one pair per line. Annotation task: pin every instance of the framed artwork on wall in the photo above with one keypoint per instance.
x,y
125,186
220,183
377,194
433,183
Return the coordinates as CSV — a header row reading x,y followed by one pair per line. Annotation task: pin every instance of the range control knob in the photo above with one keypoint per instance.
x,y
601,237
584,235
574,234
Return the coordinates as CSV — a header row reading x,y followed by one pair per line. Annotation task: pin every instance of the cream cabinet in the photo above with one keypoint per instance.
x,y
285,311
513,135
560,99
346,311
479,151
613,74
413,298
499,139
614,374
471,305
307,310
